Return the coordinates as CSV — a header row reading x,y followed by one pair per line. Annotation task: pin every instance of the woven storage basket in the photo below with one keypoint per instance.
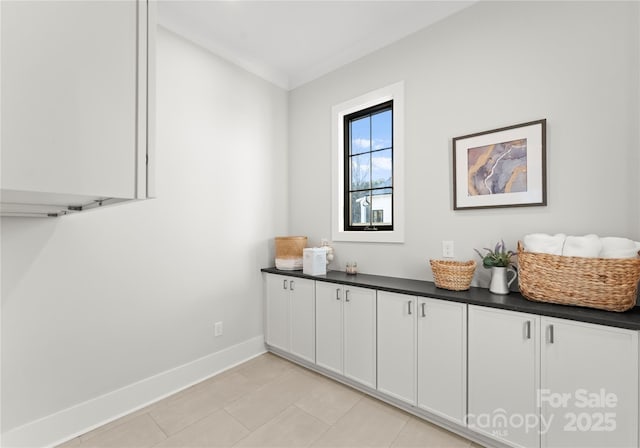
x,y
453,275
288,247
605,283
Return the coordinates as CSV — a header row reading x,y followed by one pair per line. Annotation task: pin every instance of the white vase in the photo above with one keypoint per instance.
x,y
499,283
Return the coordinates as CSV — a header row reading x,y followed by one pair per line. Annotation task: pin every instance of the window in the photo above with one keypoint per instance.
x,y
368,168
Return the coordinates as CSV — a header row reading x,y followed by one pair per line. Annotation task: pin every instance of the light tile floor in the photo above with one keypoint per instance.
x,y
269,402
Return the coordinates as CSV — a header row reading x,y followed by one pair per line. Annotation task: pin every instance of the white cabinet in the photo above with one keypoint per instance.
x,y
503,375
77,103
290,315
277,312
585,396
397,346
422,353
359,335
520,379
589,380
329,326
302,322
346,331
442,358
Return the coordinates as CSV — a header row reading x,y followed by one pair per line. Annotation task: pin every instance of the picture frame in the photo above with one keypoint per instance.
x,y
504,167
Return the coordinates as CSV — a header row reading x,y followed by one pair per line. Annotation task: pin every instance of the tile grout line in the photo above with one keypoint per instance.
x,y
208,414
166,436
264,424
175,396
400,432
240,423
291,405
158,425
329,426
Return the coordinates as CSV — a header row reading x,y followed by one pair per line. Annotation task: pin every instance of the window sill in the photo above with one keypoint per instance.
x,y
380,236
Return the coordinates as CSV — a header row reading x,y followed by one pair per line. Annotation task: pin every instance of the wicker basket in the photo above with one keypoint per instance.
x,y
604,283
453,275
288,247
289,252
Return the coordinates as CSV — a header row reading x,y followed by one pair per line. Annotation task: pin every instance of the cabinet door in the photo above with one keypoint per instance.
x,y
503,375
360,335
397,346
69,75
277,312
329,326
589,380
303,318
442,358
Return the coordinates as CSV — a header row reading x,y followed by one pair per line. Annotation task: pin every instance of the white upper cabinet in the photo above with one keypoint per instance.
x,y
77,102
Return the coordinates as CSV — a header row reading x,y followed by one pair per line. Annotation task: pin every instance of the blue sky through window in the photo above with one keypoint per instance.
x,y
370,141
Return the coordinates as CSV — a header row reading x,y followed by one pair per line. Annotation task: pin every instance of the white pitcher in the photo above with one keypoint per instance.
x,y
499,283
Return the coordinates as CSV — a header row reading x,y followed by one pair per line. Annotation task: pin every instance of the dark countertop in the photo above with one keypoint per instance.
x,y
475,296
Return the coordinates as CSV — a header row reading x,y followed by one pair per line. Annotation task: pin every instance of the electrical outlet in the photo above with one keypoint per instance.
x,y
447,249
218,329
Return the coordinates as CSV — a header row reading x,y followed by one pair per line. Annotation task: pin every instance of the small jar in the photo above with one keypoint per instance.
x,y
352,268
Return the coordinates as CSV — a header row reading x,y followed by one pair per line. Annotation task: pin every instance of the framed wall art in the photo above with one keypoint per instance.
x,y
503,167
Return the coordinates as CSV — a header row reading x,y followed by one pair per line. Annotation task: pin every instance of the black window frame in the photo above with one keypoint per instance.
x,y
369,111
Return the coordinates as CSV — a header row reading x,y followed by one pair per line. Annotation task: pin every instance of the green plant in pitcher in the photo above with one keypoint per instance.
x,y
498,257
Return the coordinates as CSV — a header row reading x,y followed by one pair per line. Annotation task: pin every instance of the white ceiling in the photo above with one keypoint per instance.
x,y
293,42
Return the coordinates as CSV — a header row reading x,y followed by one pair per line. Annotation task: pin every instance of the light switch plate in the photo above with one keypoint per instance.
x,y
447,249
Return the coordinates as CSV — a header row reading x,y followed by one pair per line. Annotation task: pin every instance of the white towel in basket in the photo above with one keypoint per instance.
x,y
614,247
582,246
544,244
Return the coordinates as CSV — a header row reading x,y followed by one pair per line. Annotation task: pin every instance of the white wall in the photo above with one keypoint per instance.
x,y
492,65
99,300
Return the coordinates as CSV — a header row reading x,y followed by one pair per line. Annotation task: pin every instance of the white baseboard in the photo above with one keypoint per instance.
x,y
71,422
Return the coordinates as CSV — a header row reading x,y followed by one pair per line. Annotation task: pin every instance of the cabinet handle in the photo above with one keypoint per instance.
x,y
338,294
424,314
551,334
527,329
346,296
284,284
409,304
291,283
